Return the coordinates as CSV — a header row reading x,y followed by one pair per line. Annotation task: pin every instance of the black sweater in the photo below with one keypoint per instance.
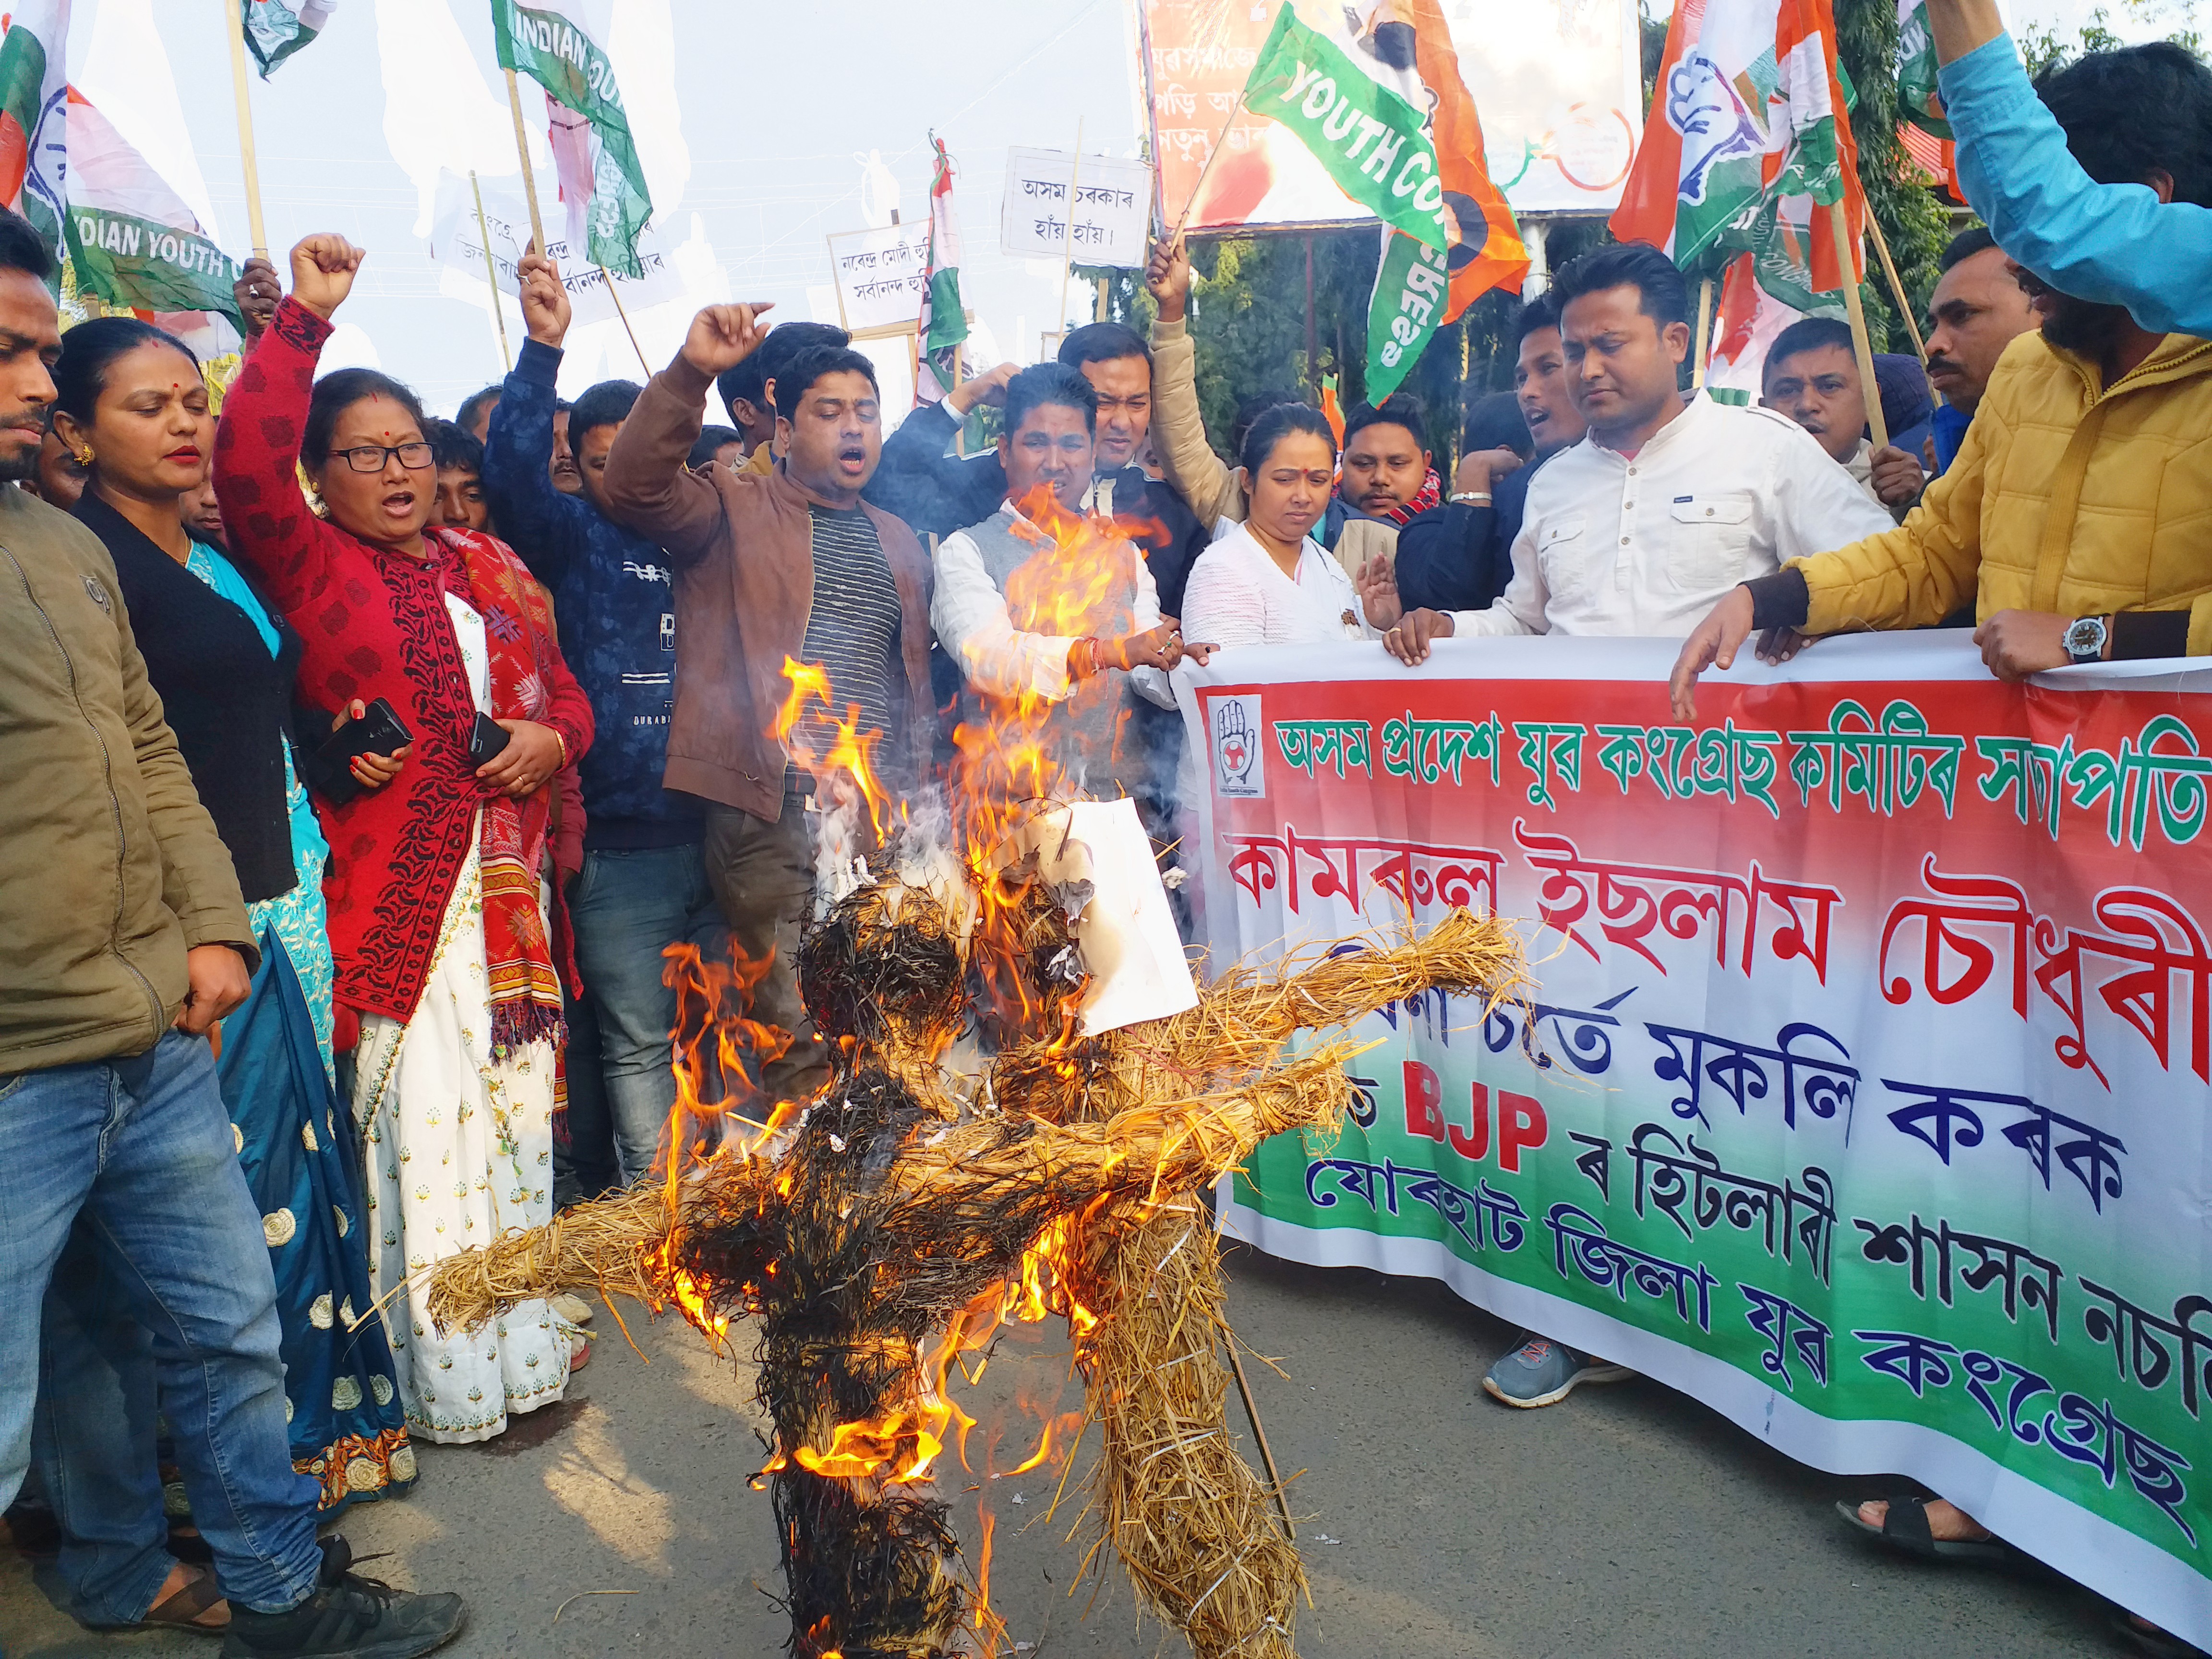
x,y
227,699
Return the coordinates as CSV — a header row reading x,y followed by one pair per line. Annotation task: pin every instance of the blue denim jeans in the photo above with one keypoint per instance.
x,y
142,1151
627,908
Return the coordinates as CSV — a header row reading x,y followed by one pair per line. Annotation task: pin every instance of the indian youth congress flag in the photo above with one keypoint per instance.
x,y
559,44
1747,137
1378,99
943,323
33,117
131,239
275,30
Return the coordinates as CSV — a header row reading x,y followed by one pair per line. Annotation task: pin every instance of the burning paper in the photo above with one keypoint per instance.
x,y
1097,858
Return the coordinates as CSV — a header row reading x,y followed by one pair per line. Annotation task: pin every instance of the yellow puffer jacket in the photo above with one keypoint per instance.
x,y
2067,497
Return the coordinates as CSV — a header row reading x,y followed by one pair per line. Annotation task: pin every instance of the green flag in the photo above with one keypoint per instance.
x,y
275,30
1370,137
132,238
551,44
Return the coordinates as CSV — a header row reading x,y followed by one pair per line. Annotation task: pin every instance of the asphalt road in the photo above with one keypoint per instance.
x,y
1434,1523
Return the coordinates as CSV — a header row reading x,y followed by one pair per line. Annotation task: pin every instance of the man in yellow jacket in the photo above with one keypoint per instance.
x,y
2078,515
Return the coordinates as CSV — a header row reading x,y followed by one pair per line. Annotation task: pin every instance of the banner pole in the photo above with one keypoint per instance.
x,y
609,280
1068,244
1897,287
529,178
1704,333
240,80
491,272
1861,346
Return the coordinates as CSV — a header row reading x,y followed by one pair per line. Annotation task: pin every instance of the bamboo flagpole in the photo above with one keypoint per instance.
x,y
242,79
606,278
529,178
1067,243
1704,332
1896,287
491,272
1861,346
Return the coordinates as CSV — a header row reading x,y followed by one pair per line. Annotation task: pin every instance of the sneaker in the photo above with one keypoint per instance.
x,y
1542,1372
348,1617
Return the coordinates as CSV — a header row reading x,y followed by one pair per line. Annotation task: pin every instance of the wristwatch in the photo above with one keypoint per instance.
x,y
2085,639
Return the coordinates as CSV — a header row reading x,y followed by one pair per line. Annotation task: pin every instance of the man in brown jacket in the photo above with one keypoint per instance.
x,y
123,940
784,565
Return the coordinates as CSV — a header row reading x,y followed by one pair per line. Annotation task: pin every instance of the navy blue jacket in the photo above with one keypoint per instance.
x,y
614,604
937,494
1460,557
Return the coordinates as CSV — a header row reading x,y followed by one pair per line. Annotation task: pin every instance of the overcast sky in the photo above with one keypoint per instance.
x,y
777,105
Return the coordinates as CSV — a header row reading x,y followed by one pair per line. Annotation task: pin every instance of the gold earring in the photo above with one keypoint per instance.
x,y
84,456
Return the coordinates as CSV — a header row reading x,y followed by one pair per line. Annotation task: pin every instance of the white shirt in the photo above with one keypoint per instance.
x,y
1238,595
969,615
1718,495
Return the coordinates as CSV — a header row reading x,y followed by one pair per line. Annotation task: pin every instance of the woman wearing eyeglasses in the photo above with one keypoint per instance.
x,y
438,903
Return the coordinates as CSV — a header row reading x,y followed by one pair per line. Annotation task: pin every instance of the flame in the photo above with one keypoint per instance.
x,y
716,1047
846,762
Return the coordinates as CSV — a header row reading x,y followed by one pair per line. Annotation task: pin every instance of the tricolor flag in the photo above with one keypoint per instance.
x,y
943,325
559,44
1917,99
134,243
1376,95
1747,144
33,118
276,29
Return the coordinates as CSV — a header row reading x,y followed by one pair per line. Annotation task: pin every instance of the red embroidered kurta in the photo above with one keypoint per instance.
x,y
375,625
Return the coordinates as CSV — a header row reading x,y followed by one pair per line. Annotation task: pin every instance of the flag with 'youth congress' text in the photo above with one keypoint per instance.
x,y
1487,251
559,44
276,29
1376,96
943,325
34,115
131,239
1748,140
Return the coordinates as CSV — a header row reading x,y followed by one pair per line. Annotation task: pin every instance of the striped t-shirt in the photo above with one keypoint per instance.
x,y
852,630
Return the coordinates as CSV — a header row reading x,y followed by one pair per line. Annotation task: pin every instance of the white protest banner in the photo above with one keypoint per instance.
x,y
458,245
881,274
1111,211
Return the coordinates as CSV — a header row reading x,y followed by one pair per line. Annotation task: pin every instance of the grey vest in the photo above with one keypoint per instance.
x,y
1090,735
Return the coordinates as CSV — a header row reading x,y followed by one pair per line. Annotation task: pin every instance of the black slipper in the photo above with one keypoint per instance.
x,y
1905,1527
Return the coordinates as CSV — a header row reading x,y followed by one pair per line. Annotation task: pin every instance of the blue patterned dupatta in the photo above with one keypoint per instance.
x,y
296,1143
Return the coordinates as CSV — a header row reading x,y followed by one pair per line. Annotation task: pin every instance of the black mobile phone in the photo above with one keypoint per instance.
x,y
486,739
378,732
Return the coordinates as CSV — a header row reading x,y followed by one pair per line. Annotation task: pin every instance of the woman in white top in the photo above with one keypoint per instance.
x,y
1267,581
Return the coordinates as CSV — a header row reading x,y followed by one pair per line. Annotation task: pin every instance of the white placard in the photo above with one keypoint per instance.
x,y
457,243
880,274
1111,212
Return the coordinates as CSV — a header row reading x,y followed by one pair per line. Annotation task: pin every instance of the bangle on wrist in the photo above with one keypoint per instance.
x,y
562,743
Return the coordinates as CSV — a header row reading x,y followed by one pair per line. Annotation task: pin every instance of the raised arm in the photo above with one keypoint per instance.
x,y
545,527
937,493
647,486
2108,244
1178,427
264,416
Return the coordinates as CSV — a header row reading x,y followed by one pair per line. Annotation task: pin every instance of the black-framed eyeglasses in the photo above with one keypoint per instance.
x,y
374,458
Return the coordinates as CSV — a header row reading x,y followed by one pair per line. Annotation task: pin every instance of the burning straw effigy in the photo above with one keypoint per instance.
x,y
901,1222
